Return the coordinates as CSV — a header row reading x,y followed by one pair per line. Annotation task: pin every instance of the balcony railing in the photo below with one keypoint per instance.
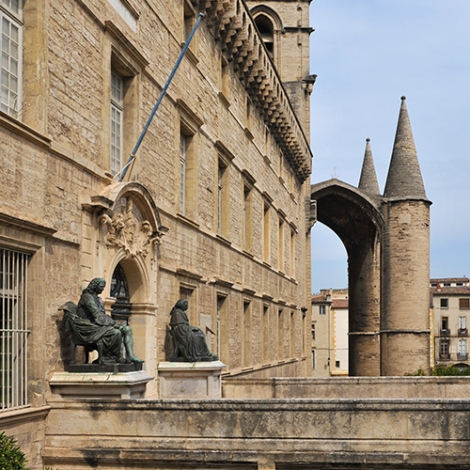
x,y
445,332
462,356
463,332
444,356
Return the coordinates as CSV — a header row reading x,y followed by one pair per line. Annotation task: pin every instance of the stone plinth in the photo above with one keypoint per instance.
x,y
190,379
112,386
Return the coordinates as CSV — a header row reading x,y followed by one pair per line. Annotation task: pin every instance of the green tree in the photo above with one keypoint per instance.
x,y
11,457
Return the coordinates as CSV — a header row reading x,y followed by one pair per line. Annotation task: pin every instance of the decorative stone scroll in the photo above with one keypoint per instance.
x,y
128,230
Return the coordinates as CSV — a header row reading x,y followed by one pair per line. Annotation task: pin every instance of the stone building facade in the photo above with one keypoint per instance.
x,y
330,329
450,309
211,209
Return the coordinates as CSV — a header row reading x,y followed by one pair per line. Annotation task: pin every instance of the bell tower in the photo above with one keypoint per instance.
x,y
285,30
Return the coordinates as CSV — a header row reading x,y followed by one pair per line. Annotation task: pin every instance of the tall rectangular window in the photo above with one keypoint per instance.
x,y
183,147
280,334
266,342
222,197
280,249
462,323
247,334
117,118
247,218
266,237
444,303
292,253
11,29
322,309
462,349
13,329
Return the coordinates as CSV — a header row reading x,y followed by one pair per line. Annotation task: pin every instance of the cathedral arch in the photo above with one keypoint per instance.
x,y
356,218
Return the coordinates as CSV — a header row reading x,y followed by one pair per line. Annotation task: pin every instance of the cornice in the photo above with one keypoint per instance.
x,y
232,26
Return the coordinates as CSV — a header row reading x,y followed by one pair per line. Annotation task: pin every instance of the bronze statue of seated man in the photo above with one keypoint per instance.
x,y
91,327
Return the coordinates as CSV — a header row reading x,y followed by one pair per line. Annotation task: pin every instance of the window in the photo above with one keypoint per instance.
x,y
183,146
266,29
462,323
313,331
444,349
13,329
464,303
266,232
337,364
444,303
322,309
117,117
266,341
11,29
445,323
462,349
247,218
280,333
246,333
188,20
222,194
280,250
292,253
313,359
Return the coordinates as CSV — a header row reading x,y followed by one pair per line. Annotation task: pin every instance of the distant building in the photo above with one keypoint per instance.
x,y
450,305
330,326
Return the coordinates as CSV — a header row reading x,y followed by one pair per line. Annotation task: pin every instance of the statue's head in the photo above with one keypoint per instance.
x,y
97,285
182,304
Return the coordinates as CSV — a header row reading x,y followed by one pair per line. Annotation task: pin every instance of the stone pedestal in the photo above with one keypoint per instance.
x,y
110,386
190,379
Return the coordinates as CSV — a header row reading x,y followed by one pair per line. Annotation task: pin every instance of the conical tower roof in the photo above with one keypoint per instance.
x,y
368,179
404,180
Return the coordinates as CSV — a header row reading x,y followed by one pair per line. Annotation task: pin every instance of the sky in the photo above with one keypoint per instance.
x,y
367,54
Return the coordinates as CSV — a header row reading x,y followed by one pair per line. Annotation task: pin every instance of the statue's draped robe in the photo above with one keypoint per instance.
x,y
189,341
92,325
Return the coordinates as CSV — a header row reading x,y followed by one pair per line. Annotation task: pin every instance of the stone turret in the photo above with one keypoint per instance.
x,y
405,329
368,179
404,180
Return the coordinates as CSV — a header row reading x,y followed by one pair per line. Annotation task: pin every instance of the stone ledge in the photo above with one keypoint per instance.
x,y
107,385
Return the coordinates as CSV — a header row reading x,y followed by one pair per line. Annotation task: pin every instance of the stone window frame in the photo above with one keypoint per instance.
x,y
30,239
444,302
15,20
222,189
189,125
126,61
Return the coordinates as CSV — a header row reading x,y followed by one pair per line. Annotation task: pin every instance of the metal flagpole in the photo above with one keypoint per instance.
x,y
123,172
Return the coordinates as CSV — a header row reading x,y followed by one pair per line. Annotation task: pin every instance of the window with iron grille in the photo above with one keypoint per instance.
x,y
13,329
11,31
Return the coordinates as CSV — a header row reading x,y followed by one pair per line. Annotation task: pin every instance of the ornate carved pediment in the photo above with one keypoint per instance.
x,y
128,230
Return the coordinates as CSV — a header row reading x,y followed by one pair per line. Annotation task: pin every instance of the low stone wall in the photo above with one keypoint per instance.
x,y
348,387
268,434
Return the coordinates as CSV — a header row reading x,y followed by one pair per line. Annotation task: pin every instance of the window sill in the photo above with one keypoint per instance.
x,y
23,415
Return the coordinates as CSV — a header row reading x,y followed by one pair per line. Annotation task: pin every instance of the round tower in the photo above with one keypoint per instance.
x,y
405,324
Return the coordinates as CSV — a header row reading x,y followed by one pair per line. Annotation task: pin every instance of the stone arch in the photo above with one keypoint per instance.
x,y
269,25
124,227
356,218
